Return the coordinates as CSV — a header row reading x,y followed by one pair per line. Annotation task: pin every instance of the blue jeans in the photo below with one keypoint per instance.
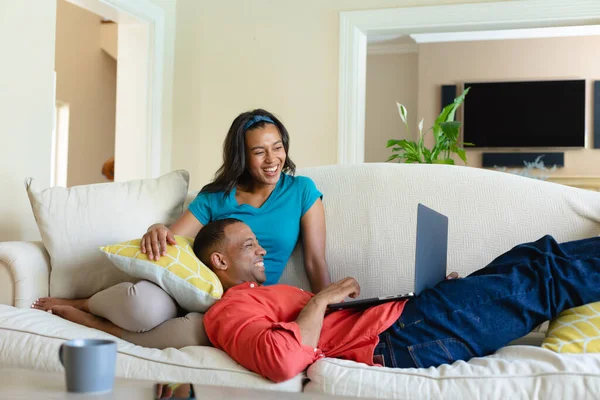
x,y
475,316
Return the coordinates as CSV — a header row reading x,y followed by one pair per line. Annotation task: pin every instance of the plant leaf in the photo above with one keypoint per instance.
x,y
412,153
409,151
451,130
443,117
462,154
426,155
449,111
444,161
437,131
457,102
412,147
445,133
402,111
406,145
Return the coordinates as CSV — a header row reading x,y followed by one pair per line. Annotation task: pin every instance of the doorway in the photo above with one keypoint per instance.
x,y
115,113
356,27
86,95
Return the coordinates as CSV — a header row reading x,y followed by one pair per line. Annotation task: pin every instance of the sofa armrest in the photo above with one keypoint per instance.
x,y
24,273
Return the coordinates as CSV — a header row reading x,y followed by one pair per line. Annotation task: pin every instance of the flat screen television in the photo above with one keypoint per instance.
x,y
525,114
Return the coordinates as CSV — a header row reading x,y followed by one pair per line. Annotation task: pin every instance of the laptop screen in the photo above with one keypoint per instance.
x,y
432,248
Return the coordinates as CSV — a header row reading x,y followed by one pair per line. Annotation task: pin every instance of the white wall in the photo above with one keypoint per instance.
x,y
169,8
131,157
87,81
391,78
27,30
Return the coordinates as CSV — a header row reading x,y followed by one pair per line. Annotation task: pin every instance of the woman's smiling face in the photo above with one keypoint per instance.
x,y
265,154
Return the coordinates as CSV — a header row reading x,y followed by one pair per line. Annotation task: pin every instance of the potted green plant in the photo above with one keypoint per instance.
x,y
445,132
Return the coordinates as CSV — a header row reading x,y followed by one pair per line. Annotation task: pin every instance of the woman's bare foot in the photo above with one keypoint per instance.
x,y
86,319
46,303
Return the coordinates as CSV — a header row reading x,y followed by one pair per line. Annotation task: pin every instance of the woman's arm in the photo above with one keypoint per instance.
x,y
155,241
312,226
186,225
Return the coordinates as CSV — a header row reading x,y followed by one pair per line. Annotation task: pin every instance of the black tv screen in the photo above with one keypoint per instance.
x,y
525,114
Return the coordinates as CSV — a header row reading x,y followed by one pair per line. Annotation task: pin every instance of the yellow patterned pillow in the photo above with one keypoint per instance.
x,y
180,273
576,330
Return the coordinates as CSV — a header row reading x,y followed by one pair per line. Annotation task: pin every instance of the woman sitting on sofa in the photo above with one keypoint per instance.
x,y
256,185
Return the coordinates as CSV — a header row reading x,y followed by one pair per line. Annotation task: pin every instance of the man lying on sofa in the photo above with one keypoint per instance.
x,y
278,331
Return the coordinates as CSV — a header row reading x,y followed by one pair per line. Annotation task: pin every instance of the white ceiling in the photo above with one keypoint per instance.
x,y
563,31
390,38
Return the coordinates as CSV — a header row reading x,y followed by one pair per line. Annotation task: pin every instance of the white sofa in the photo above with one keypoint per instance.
x,y
371,229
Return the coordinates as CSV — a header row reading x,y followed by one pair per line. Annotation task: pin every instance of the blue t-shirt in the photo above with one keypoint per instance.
x,y
276,223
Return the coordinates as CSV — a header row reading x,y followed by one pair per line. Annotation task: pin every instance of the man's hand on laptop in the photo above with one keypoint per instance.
x,y
310,319
338,291
453,275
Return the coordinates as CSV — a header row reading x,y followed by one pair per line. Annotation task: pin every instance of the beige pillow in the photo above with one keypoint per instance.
x,y
179,273
75,222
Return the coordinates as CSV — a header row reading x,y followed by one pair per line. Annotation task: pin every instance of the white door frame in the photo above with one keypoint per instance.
x,y
356,25
160,52
59,151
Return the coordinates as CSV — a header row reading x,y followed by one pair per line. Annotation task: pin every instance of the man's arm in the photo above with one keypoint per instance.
x,y
310,320
271,349
276,350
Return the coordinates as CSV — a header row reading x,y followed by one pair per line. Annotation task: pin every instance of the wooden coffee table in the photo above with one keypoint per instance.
x,y
31,384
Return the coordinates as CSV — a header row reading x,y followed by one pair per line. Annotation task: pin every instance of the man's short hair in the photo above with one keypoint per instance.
x,y
211,236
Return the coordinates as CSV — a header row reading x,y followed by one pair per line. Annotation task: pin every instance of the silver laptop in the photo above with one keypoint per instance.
x,y
430,259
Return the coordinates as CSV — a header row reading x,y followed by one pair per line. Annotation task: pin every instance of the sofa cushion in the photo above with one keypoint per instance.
x,y
193,285
514,372
31,338
371,216
75,222
576,330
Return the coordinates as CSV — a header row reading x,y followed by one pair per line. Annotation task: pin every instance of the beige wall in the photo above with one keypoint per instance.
x,y
234,55
26,109
86,80
524,59
391,78
109,39
230,56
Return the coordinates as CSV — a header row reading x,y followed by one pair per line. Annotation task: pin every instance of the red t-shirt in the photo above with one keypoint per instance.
x,y
256,326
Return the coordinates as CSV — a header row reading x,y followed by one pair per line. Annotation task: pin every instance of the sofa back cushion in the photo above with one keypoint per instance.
x,y
75,222
371,215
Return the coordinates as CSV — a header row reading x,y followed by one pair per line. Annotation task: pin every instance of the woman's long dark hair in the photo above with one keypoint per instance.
x,y
233,170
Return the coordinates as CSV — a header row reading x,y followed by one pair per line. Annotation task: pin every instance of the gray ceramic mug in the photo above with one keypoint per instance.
x,y
89,364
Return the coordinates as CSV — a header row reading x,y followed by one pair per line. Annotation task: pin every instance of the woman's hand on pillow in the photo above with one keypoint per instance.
x,y
154,242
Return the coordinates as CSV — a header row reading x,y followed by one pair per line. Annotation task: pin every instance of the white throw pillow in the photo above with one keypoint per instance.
x,y
75,222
